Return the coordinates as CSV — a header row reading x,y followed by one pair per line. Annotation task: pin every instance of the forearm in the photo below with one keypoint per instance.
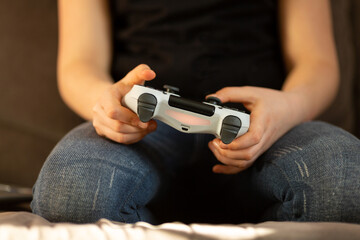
x,y
80,85
310,56
84,53
312,86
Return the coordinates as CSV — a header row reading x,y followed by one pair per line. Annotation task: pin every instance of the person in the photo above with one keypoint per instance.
x,y
277,58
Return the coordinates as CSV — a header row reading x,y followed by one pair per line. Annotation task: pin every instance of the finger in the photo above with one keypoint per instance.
x,y
119,126
226,169
116,125
139,75
248,140
247,154
245,141
228,161
124,128
120,137
253,137
237,94
113,109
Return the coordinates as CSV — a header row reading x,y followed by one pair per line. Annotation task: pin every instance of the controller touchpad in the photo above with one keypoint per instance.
x,y
192,106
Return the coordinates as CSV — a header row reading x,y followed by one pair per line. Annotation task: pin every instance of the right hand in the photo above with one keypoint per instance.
x,y
116,122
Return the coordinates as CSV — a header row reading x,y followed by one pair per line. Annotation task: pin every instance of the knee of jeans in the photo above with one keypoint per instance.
x,y
334,193
318,176
74,189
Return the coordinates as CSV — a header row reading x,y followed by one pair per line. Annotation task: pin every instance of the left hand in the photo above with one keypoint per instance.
x,y
273,113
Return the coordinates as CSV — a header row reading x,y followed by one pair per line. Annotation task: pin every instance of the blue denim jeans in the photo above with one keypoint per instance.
x,y
310,174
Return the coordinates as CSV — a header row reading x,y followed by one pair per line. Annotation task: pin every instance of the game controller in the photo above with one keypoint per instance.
x,y
187,115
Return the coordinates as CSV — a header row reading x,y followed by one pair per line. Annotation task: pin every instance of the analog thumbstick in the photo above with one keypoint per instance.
x,y
171,89
213,100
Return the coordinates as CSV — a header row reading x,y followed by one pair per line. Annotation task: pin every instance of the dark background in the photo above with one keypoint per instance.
x,y
33,117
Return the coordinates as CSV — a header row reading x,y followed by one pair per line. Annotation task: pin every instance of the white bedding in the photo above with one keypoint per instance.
x,y
27,226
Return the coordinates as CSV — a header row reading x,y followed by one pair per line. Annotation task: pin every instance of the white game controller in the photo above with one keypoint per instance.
x,y
187,115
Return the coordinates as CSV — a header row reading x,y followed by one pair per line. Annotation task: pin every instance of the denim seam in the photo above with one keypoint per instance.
x,y
288,181
132,193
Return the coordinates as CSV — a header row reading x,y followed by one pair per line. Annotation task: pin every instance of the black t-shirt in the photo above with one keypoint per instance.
x,y
199,46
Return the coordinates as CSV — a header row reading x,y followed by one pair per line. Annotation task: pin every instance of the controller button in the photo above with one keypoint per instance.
x,y
214,100
171,89
229,129
146,106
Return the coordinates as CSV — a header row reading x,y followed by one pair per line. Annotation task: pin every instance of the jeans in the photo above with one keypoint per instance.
x,y
310,174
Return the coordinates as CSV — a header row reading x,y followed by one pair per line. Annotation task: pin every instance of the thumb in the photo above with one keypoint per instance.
x,y
139,75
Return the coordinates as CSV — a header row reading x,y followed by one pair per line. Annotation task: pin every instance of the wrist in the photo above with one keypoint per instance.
x,y
297,106
81,87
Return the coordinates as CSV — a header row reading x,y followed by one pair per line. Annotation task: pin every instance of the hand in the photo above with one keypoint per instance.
x,y
272,115
116,122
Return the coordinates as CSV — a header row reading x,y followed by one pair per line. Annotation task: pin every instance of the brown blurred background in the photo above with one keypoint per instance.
x,y
33,117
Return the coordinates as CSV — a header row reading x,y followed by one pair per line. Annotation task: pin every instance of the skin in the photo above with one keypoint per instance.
x,y
311,84
309,88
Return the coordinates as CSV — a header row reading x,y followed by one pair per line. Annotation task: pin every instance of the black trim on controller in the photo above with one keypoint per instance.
x,y
214,100
171,89
192,106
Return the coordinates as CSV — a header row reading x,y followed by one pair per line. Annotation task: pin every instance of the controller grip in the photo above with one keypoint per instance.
x,y
146,106
229,129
